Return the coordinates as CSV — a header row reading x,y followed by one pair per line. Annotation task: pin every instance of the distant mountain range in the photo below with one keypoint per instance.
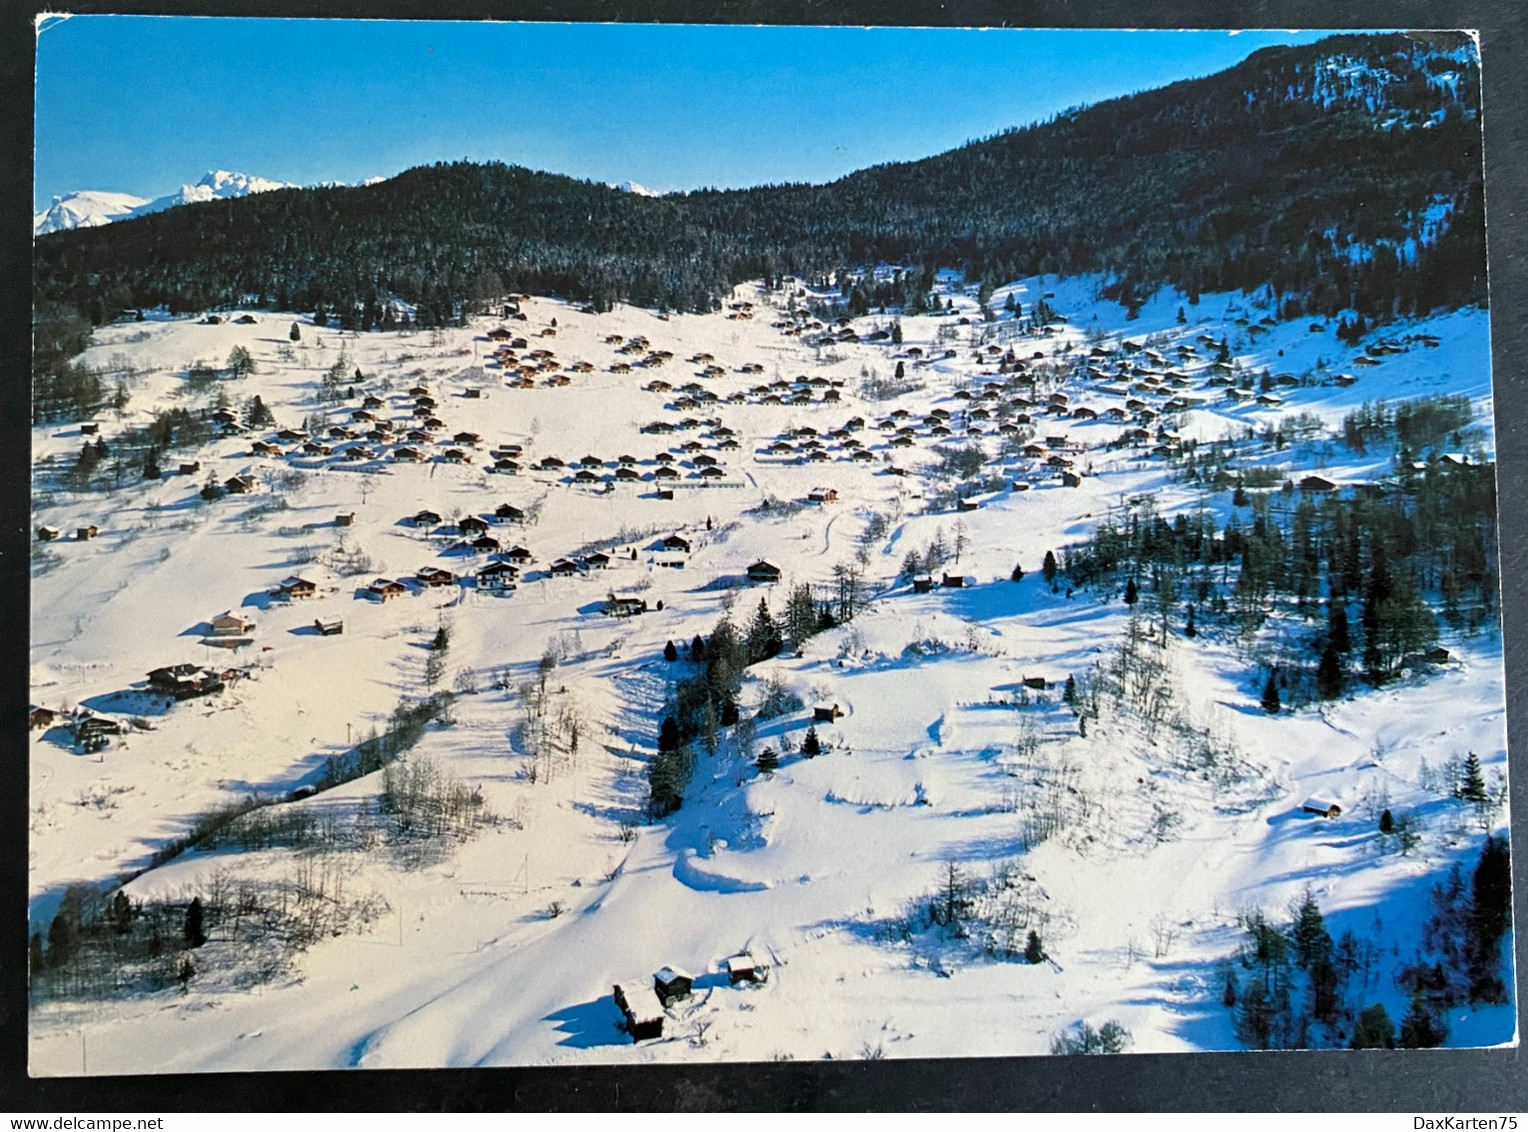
x,y
1339,175
89,209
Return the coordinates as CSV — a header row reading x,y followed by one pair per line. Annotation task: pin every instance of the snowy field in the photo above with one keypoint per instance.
x,y
503,947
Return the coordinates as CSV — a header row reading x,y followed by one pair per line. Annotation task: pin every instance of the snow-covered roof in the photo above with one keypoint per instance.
x,y
741,962
1320,803
669,974
641,1002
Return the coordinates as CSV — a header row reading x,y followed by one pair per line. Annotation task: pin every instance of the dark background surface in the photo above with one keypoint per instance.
x,y
1435,1082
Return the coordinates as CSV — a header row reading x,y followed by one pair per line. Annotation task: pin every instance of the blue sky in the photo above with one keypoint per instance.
x,y
142,104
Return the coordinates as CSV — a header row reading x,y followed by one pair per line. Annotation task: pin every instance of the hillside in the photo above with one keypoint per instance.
x,y
551,807
1343,174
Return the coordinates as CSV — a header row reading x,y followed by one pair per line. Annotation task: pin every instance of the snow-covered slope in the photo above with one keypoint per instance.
x,y
504,949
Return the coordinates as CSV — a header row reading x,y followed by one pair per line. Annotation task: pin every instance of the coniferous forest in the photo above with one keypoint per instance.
x,y
1283,172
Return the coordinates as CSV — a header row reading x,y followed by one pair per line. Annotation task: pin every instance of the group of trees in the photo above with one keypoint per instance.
x,y
1301,989
1384,559
705,699
1243,179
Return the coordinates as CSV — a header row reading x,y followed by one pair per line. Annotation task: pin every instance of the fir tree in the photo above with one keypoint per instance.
x,y
1069,693
1228,996
1329,674
1421,1029
1034,951
295,334
121,913
698,650
1386,822
768,762
1018,573
1190,630
1374,1029
1048,570
1132,592
1472,784
811,745
670,653
1254,1021
193,931
1271,702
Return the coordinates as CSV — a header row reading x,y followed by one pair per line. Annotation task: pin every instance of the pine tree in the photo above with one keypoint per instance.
x,y
1132,592
1329,675
1491,906
1271,702
668,735
1337,628
811,745
295,334
1069,693
1254,1021
769,762
193,931
1048,570
121,913
1018,573
1311,942
1182,316
1374,1029
1034,951
1421,1029
1228,997
670,653
698,649
1190,630
1472,784
1387,823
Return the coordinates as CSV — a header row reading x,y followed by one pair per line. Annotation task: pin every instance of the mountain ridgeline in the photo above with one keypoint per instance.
x,y
1344,174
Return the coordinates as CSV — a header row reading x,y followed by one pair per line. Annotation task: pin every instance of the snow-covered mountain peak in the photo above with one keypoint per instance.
x,y
90,209
639,190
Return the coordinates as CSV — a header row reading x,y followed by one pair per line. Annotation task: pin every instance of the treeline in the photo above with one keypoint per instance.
x,y
1300,989
1241,180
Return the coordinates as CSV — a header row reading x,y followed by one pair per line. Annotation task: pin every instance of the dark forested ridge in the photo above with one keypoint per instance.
x,y
1307,170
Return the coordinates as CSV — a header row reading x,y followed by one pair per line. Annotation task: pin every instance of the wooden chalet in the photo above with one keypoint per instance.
x,y
822,495
763,572
184,681
625,606
923,585
1325,807
48,534
434,577
953,581
642,1012
508,513
295,587
329,626
826,714
385,589
744,968
519,556
239,485
497,576
473,525
675,542
563,568
1317,483
671,984
231,624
